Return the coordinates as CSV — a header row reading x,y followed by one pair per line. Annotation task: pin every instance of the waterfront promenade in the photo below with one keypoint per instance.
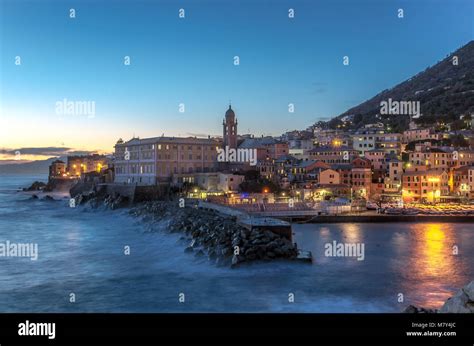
x,y
306,214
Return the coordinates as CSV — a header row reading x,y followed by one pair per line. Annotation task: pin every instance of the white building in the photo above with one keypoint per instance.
x,y
363,142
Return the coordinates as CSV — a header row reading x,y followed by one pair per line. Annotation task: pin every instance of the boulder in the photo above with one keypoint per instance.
x,y
36,186
213,234
411,309
212,255
469,290
235,260
461,302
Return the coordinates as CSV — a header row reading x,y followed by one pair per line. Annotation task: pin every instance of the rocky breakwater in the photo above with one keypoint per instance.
x,y
217,236
36,186
94,200
461,302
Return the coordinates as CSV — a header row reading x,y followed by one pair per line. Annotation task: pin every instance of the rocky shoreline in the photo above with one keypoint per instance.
x,y
35,186
208,233
95,200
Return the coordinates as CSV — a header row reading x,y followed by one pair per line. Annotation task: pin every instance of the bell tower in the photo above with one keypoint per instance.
x,y
230,129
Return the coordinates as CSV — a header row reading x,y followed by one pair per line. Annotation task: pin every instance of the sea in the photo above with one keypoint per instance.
x,y
107,261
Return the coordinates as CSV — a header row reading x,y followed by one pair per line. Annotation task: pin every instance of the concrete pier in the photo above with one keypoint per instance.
x,y
279,227
250,222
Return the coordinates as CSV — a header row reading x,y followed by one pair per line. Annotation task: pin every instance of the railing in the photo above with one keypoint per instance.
x,y
284,209
283,213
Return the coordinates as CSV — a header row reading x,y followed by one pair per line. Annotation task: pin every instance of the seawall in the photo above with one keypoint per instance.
x,y
382,218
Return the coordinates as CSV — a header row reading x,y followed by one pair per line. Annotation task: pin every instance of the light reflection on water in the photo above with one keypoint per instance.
x,y
415,259
433,259
352,233
83,251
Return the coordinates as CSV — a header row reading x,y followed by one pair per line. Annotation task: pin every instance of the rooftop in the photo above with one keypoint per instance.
x,y
327,149
342,166
258,142
163,139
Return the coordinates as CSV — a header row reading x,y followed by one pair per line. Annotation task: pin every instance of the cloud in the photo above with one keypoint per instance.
x,y
43,151
38,153
81,152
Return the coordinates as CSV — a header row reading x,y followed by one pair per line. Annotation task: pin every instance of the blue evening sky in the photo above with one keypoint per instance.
x,y
190,61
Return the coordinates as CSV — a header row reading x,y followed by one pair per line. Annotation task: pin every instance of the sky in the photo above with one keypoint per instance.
x,y
190,61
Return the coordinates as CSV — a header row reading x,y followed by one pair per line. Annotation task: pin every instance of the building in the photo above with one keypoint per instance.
x,y
333,155
301,143
326,191
416,135
284,164
395,171
57,169
363,142
267,169
330,138
361,177
377,159
345,172
430,159
471,181
153,160
266,147
303,171
390,143
461,186
81,164
329,177
300,154
376,139
464,158
300,147
215,182
430,186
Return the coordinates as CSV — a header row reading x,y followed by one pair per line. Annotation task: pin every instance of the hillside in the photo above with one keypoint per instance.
x,y
444,91
34,167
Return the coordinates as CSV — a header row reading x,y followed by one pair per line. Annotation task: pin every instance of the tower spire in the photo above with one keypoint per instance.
x,y
230,128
